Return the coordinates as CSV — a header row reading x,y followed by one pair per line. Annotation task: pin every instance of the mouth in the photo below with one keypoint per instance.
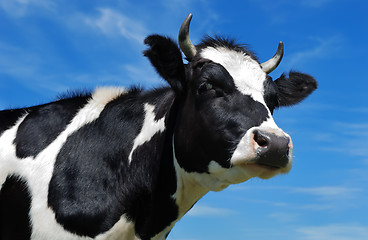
x,y
269,166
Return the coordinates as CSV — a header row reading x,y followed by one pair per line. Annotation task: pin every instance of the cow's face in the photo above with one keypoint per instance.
x,y
224,131
226,128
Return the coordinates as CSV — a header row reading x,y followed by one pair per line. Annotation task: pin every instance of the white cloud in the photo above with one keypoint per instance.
x,y
328,191
20,8
113,23
333,231
284,217
207,211
347,138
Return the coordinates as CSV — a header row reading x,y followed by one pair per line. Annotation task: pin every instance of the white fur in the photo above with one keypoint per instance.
x,y
149,129
37,172
246,72
104,95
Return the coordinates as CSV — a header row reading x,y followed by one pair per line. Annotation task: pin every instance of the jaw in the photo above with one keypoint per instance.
x,y
223,177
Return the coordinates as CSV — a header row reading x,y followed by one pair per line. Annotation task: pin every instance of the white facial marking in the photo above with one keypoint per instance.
x,y
246,72
149,129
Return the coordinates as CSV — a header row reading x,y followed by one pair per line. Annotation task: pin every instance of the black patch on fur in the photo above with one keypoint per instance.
x,y
15,202
8,118
271,94
295,88
44,123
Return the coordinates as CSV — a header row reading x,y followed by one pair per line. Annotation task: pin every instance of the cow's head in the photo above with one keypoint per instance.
x,y
225,132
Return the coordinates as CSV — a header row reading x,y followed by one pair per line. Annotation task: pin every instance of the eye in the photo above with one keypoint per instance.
x,y
204,87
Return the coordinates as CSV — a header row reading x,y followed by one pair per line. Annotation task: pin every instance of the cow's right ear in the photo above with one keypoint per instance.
x,y
165,56
294,88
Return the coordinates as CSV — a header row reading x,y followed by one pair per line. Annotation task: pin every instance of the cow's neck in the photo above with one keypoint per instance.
x,y
189,190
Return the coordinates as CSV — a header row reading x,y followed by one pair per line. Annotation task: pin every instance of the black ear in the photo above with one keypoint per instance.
x,y
294,88
165,56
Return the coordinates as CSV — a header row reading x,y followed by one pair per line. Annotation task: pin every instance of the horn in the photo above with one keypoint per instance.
x,y
185,44
272,64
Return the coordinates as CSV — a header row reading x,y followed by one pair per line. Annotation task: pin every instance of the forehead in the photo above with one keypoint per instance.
x,y
246,72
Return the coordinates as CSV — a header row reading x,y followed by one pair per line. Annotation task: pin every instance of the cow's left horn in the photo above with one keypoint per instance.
x,y
185,44
272,64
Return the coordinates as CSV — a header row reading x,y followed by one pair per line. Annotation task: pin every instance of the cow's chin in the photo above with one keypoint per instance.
x,y
262,171
242,172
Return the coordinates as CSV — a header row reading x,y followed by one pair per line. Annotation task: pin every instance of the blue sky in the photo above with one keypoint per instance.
x,y
49,47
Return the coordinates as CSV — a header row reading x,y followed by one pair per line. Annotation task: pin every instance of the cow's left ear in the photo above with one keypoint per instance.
x,y
165,56
294,88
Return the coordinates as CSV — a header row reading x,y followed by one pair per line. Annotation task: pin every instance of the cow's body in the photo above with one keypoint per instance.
x,y
126,164
106,179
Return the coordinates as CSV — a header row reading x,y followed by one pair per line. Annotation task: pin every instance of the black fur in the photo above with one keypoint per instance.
x,y
43,124
9,117
271,94
15,202
165,56
295,88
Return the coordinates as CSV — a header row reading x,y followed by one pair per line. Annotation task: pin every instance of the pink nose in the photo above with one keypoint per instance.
x,y
272,150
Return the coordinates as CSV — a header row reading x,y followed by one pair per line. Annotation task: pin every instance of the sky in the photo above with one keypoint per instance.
x,y
50,47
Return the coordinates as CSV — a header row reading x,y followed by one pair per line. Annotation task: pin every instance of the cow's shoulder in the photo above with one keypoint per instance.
x,y
92,170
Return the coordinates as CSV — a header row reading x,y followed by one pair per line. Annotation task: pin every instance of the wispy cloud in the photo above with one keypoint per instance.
x,y
112,23
330,192
207,211
20,8
323,48
333,231
284,217
347,138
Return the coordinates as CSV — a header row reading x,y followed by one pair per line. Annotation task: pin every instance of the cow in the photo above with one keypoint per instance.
x,y
118,163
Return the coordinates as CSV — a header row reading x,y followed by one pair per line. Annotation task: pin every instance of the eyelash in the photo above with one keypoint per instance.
x,y
205,86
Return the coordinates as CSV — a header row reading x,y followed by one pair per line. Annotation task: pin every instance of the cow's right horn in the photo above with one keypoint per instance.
x,y
272,64
185,44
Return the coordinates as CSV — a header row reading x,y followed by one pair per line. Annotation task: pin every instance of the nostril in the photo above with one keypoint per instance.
x,y
260,139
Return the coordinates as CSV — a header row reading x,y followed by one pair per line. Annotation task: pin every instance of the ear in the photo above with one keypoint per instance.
x,y
294,88
165,56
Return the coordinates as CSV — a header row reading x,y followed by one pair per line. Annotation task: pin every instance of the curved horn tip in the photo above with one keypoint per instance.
x,y
185,44
272,63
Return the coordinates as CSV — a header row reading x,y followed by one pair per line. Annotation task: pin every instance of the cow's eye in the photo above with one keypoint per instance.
x,y
204,87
